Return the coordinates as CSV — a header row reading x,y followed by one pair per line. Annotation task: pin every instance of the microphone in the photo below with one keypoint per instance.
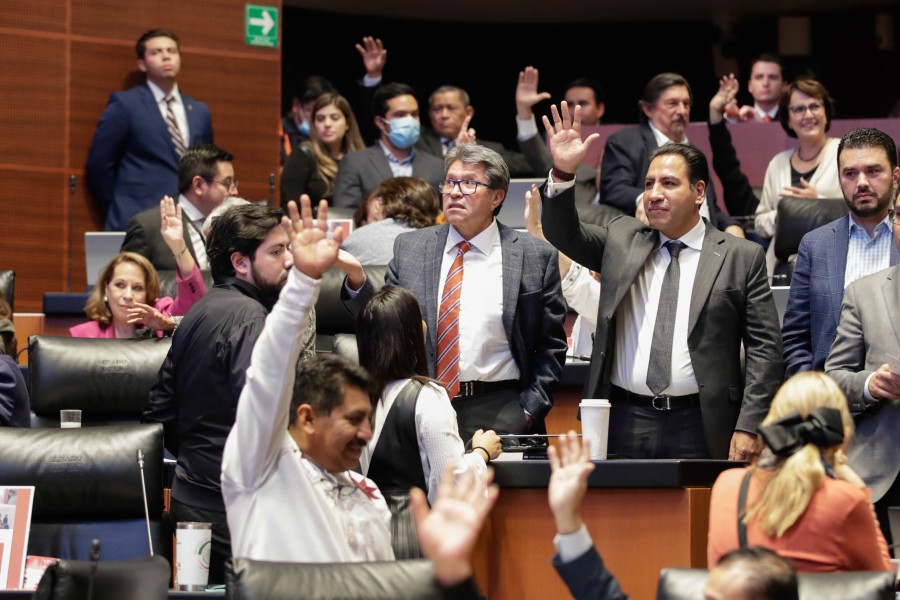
x,y
581,357
95,557
140,459
271,189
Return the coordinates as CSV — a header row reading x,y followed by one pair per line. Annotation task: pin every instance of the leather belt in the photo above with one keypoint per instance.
x,y
659,402
475,388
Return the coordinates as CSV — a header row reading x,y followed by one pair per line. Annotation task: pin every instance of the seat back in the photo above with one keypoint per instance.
x,y
331,316
688,584
108,379
88,485
8,286
247,579
138,579
795,217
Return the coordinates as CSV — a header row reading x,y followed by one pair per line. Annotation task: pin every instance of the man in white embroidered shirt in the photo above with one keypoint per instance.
x,y
286,480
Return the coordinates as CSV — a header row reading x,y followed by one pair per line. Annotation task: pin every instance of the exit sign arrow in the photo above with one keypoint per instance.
x,y
265,21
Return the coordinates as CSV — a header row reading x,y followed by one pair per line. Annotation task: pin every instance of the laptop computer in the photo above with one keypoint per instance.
x,y
513,212
99,248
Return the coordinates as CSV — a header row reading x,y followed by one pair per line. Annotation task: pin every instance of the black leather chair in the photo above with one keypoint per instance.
x,y
8,286
795,217
88,485
138,579
331,316
688,584
108,379
247,579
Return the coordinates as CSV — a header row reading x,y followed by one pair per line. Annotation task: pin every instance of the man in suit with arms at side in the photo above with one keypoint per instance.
x,y
836,254
678,300
393,155
498,343
868,334
205,179
133,160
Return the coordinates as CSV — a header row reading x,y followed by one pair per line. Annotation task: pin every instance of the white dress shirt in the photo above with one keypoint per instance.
x,y
484,353
196,217
177,109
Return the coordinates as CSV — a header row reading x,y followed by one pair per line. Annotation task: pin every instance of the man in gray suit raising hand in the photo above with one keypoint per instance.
x,y
491,299
678,300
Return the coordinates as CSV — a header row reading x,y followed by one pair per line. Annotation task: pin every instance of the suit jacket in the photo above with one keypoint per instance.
x,y
533,305
430,142
814,302
623,167
868,330
144,238
588,578
132,162
360,172
731,303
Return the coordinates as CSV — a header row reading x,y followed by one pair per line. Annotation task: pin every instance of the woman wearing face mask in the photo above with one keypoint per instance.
x,y
313,167
125,303
802,498
807,171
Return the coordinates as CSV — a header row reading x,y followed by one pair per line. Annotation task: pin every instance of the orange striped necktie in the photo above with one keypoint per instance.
x,y
448,324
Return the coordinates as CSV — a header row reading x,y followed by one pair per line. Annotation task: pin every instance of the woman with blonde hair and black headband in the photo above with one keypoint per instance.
x,y
800,498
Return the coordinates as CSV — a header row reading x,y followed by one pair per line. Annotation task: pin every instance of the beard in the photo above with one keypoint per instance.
x,y
265,285
881,205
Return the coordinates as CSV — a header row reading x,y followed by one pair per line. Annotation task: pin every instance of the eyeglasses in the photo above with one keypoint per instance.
x,y
228,184
466,186
799,111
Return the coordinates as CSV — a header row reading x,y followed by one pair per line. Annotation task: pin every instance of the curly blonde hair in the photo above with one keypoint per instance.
x,y
788,491
96,307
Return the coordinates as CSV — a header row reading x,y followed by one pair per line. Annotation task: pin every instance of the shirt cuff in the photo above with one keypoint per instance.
x,y
570,546
553,188
370,81
527,128
571,277
869,398
351,292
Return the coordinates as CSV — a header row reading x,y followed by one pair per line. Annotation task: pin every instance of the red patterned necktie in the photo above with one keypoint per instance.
x,y
448,325
172,126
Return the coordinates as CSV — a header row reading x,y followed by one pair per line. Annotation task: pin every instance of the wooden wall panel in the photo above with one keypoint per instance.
x,y
34,107
62,59
44,15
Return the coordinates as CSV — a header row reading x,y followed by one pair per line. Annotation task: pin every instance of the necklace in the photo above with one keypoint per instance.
x,y
815,156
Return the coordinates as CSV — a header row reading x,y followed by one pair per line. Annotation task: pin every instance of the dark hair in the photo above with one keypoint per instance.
x,y
141,46
322,380
389,337
697,167
588,83
312,87
770,575
414,201
240,229
869,137
811,88
446,89
389,91
494,166
656,86
201,160
769,58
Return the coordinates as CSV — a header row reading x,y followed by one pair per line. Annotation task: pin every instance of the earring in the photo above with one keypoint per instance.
x,y
105,300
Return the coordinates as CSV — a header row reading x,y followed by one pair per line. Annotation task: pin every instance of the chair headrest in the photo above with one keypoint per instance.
x,y
87,472
8,286
795,217
331,316
102,377
138,579
379,580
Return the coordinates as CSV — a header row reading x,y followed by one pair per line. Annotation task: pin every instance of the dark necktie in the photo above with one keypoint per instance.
x,y
172,126
448,146
659,370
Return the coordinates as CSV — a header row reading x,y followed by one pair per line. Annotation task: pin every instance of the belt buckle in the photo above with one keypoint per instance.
x,y
466,388
662,397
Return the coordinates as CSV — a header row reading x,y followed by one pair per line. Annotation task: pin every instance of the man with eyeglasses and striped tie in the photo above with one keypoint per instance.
x,y
133,159
491,298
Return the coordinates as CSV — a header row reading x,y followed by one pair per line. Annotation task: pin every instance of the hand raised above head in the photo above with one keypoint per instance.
x,y
728,89
566,146
313,252
171,226
373,54
527,94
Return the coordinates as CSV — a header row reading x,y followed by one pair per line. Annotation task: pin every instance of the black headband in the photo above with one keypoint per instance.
x,y
823,428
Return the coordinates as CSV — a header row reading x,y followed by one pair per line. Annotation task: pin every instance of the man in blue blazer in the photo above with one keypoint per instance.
x,y
866,160
133,160
512,343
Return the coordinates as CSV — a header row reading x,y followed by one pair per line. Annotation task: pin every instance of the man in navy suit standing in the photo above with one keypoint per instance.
x,y
133,160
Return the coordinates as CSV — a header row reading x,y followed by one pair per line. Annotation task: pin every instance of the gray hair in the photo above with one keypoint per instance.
x,y
220,210
473,154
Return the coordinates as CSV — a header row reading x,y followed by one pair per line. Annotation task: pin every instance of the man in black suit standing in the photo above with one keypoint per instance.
x,y
679,301
205,179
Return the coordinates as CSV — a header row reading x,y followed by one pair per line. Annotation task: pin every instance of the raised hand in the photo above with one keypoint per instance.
x,y
448,531
466,135
373,54
312,251
171,226
728,89
533,213
566,145
570,466
526,92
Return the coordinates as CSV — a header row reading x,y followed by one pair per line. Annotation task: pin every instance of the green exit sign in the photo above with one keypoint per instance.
x,y
261,26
